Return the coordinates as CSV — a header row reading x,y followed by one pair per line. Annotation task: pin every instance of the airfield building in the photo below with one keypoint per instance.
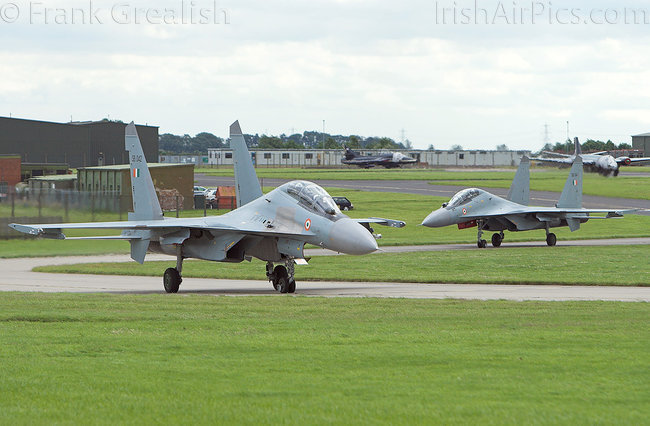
x,y
76,144
642,143
332,157
173,184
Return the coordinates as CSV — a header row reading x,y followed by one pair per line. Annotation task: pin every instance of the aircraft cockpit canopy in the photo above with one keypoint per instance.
x,y
313,196
463,197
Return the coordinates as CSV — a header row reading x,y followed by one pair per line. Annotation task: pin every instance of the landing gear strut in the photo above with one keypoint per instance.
x,y
282,276
497,239
172,279
551,239
480,242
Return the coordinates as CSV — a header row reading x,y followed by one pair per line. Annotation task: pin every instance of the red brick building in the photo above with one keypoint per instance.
x,y
9,173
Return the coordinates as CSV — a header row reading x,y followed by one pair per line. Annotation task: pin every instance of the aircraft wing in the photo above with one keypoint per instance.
x,y
168,226
549,213
561,160
380,221
556,154
638,160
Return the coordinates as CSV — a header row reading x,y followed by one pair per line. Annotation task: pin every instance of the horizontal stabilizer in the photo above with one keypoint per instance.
x,y
380,221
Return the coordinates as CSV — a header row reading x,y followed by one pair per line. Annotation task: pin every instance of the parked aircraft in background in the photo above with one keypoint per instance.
x,y
272,227
476,207
388,159
597,162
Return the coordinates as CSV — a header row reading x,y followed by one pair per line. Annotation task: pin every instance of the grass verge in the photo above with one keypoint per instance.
x,y
93,359
622,266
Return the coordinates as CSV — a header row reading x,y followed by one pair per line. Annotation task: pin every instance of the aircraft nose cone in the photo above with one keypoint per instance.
x,y
349,237
438,218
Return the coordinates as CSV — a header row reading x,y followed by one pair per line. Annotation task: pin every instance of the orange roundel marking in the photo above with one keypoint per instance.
x,y
307,224
464,211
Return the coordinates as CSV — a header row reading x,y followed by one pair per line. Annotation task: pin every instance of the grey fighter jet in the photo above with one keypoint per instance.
x,y
597,162
273,227
475,207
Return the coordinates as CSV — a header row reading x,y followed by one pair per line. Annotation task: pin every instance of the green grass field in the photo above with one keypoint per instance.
x,y
100,359
542,179
623,266
410,208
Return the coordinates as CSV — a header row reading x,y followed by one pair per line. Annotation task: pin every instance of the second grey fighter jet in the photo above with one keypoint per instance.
x,y
272,227
475,207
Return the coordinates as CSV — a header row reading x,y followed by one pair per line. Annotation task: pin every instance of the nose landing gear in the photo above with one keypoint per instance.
x,y
480,242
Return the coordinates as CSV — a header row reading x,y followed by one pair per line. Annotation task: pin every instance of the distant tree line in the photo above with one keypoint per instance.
x,y
173,144
589,145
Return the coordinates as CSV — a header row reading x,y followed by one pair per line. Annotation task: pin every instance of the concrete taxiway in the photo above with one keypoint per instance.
x,y
18,276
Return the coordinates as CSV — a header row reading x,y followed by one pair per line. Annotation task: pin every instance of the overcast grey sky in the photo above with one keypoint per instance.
x,y
468,76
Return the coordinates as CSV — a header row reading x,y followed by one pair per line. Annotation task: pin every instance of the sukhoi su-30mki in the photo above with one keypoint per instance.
x,y
272,227
475,207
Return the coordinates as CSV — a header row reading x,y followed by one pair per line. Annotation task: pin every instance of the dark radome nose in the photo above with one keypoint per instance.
x,y
438,218
348,236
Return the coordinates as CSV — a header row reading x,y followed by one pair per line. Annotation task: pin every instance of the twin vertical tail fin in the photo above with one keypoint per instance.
x,y
578,148
572,194
520,188
247,186
145,200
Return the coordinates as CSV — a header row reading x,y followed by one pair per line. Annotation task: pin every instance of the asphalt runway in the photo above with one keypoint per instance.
x,y
421,187
18,276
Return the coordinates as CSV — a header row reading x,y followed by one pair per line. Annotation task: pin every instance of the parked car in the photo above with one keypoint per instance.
x,y
343,203
211,197
200,190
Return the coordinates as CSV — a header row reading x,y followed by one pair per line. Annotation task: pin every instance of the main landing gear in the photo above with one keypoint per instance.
x,y
282,276
497,239
172,279
551,239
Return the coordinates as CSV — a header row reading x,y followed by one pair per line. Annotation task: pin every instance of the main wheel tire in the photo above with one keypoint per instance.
x,y
551,240
496,240
482,244
281,281
172,280
292,286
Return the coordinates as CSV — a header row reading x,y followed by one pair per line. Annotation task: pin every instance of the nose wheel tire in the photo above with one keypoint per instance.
x,y
496,240
172,280
551,240
482,244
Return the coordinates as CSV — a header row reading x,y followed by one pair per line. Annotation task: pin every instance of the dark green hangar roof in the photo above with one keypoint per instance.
x,y
78,144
